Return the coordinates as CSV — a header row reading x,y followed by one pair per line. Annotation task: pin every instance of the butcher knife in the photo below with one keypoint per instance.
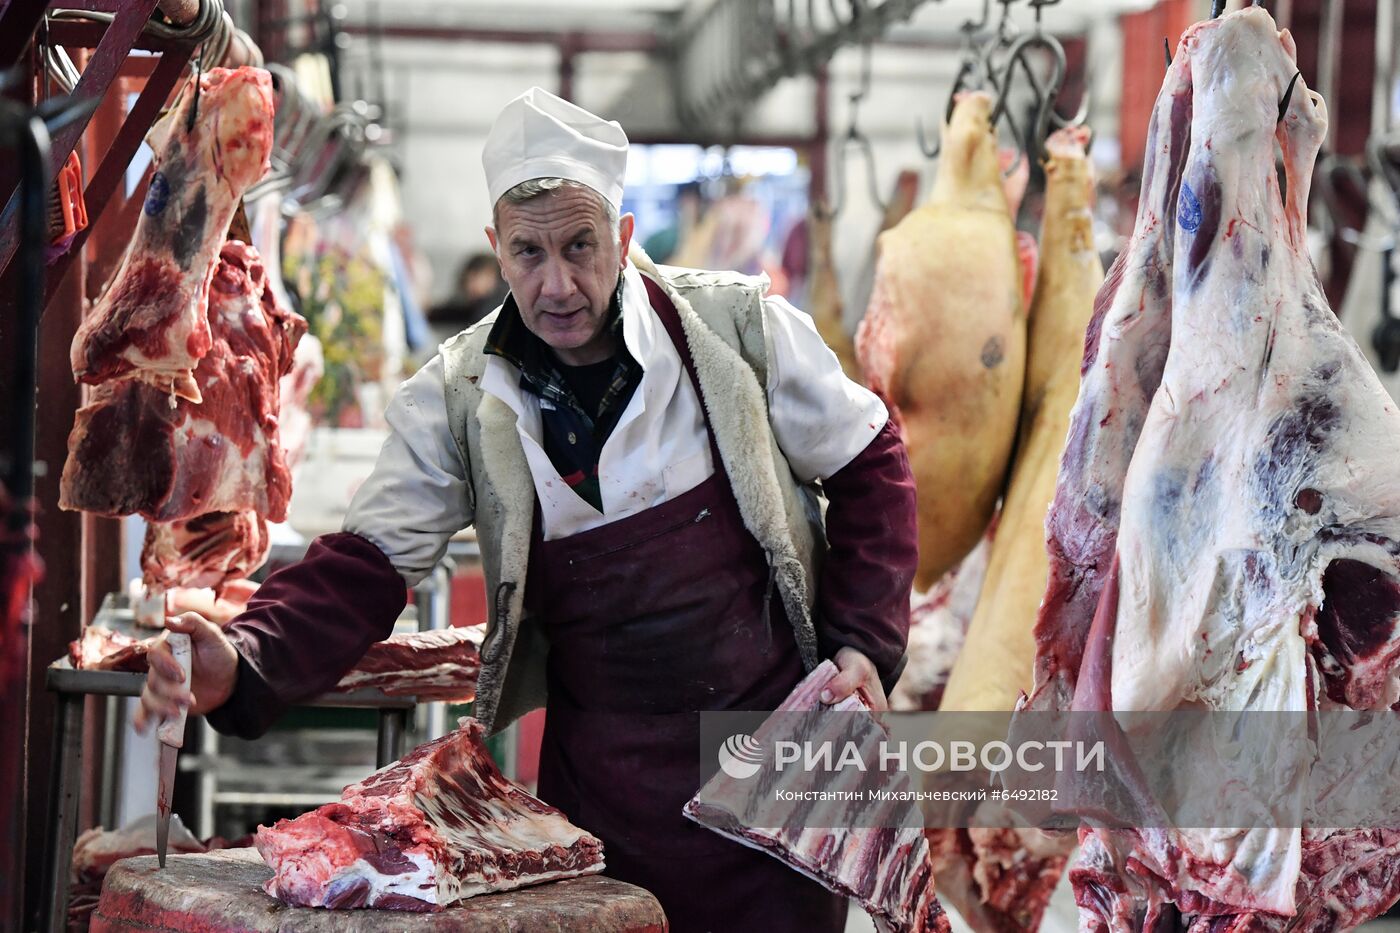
x,y
172,735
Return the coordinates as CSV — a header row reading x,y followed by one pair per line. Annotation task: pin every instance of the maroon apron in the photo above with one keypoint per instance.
x,y
651,619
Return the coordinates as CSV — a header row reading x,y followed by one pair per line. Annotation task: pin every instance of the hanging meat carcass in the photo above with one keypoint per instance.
x,y
152,324
131,450
1005,876
1251,537
1125,349
944,340
995,667
824,300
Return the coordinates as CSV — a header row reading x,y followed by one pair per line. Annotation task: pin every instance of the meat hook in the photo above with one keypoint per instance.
x,y
1216,8
971,75
1167,50
1288,95
194,90
1044,97
860,140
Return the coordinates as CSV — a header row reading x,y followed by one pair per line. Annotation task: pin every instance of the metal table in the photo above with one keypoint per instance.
x,y
74,686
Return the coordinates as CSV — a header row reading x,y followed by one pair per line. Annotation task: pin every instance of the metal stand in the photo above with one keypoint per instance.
x,y
74,687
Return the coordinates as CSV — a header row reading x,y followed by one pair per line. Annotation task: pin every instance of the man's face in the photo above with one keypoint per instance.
x,y
561,261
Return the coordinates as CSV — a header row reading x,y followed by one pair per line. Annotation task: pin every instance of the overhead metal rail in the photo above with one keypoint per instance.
x,y
732,52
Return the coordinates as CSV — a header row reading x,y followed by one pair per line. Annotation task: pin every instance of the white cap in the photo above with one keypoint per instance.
x,y
539,135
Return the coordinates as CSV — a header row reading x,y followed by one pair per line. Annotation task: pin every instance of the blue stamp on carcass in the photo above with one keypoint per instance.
x,y
1188,209
158,195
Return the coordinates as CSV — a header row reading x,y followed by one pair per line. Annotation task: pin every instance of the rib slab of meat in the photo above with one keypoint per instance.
x,y
437,826
439,664
151,323
886,870
132,450
1232,545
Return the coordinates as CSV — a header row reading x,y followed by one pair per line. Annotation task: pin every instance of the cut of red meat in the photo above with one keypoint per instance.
x,y
437,826
101,649
886,870
998,879
151,323
135,449
439,664
206,551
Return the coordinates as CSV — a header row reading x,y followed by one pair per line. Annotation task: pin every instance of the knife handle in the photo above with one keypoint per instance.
x,y
172,731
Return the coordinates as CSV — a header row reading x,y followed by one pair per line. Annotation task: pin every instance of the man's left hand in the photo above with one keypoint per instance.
x,y
856,673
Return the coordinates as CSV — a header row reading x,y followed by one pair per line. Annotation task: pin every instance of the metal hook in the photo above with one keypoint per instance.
x,y
1216,8
1167,50
971,75
194,90
961,83
1288,95
1044,96
860,140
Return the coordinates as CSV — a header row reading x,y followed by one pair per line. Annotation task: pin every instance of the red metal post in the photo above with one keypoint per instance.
x,y
97,77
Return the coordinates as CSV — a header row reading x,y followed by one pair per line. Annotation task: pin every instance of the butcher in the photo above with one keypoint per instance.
x,y
682,505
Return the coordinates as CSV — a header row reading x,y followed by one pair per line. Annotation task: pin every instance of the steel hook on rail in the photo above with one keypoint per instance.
x,y
1044,96
971,76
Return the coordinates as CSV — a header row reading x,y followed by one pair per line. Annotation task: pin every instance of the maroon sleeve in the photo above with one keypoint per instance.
x,y
873,551
306,626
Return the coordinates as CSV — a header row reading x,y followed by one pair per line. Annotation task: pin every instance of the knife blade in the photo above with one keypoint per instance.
x,y
172,736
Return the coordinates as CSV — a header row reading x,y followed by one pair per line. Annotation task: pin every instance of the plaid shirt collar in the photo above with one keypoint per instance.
x,y
513,342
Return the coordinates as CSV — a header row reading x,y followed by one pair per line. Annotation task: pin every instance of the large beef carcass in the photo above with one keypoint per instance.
x,y
1005,876
437,826
131,450
151,323
1255,562
944,339
885,869
1125,349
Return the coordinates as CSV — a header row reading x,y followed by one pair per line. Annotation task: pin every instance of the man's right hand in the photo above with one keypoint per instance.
x,y
214,668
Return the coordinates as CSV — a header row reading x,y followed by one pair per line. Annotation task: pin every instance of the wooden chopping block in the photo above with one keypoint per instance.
x,y
221,892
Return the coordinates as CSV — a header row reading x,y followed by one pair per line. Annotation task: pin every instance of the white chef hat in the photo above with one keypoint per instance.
x,y
539,135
